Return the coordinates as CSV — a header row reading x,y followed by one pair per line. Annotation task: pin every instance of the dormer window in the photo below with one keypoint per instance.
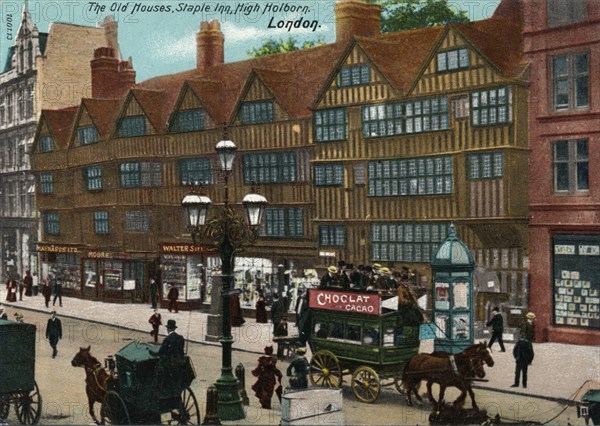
x,y
355,75
191,120
256,112
452,60
46,144
87,135
133,125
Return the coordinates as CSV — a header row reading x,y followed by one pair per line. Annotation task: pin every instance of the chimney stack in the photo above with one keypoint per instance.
x,y
111,78
356,18
111,34
210,45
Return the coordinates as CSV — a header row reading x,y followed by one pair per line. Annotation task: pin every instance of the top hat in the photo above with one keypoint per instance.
x,y
530,315
496,309
171,324
332,269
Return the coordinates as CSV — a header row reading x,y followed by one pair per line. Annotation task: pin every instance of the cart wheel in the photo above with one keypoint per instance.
x,y
365,384
325,370
189,413
113,410
4,407
29,407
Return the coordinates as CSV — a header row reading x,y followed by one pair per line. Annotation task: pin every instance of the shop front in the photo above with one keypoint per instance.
x,y
61,262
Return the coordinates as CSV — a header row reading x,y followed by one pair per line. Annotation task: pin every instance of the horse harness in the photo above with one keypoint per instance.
x,y
94,370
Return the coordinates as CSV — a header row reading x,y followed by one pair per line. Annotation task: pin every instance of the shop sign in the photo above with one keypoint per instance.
x,y
56,248
99,255
345,302
186,249
327,254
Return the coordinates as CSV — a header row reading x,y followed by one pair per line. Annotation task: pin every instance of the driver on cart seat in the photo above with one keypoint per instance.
x,y
172,347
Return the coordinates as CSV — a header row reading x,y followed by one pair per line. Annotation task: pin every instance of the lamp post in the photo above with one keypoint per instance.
x,y
228,232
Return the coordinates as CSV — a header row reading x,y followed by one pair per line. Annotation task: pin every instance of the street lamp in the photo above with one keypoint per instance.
x,y
228,233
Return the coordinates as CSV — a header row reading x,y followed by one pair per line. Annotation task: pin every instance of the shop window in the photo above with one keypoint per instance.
x,y
329,174
137,221
101,222
51,223
406,242
570,82
188,121
133,125
571,166
195,171
487,165
87,135
256,112
355,75
566,12
90,278
92,178
452,60
274,167
284,222
330,125
491,107
46,183
332,235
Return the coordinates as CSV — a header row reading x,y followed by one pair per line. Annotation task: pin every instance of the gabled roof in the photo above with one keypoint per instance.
x,y
103,113
152,102
209,93
60,124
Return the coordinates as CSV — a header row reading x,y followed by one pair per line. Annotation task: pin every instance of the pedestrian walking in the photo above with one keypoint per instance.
x,y
523,353
21,287
156,322
172,296
267,375
298,370
281,331
276,311
28,283
497,324
57,291
261,309
47,291
54,332
235,309
11,289
153,292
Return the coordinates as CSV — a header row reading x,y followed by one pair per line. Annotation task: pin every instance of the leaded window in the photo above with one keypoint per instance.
x,y
412,176
330,125
140,174
137,221
487,165
92,178
570,80
354,75
195,171
421,115
329,174
46,143
46,183
332,235
571,166
101,222
188,121
274,167
87,135
491,107
130,126
406,242
51,223
256,112
451,60
284,222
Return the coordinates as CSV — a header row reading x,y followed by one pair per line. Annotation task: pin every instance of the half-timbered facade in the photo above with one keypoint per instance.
x,y
366,149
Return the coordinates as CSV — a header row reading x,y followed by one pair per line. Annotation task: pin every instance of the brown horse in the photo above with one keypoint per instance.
x,y
437,368
97,380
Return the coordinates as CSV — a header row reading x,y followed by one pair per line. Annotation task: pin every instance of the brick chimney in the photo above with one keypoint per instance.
x,y
356,17
111,78
210,45
111,34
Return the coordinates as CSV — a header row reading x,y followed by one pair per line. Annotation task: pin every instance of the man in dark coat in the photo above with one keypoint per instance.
x,y
523,353
28,283
276,312
298,370
54,332
527,328
172,346
156,321
330,278
47,292
173,295
57,291
497,324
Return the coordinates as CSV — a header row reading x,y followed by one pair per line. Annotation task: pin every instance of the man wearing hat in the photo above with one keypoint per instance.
x,y
298,370
172,346
328,280
523,353
53,332
497,324
527,328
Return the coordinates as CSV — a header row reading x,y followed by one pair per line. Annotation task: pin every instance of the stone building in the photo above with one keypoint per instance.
x,y
42,70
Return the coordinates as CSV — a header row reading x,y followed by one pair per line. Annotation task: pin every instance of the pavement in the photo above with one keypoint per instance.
x,y
559,372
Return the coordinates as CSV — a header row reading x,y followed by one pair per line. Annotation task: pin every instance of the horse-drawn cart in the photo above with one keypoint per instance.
x,y
17,372
352,333
149,390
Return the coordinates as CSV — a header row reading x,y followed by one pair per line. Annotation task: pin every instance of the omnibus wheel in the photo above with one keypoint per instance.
x,y
325,370
29,406
114,411
365,384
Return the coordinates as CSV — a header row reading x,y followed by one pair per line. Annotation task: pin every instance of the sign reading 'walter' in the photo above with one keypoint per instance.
x,y
346,302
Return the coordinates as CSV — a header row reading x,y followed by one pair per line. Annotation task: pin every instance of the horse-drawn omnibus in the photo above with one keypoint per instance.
x,y
17,372
366,334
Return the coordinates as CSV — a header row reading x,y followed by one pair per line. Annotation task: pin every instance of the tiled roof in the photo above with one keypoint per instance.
x,y
210,93
152,102
60,123
103,113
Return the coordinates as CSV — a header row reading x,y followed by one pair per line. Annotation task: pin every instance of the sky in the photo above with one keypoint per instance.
x,y
164,41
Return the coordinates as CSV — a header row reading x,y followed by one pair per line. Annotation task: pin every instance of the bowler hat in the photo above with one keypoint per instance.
x,y
171,324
